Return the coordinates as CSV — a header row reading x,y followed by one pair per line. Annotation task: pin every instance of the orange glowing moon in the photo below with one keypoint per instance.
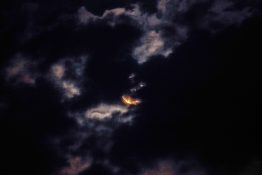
x,y
130,101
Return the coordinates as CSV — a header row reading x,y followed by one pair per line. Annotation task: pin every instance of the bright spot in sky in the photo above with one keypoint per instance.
x,y
130,101
71,90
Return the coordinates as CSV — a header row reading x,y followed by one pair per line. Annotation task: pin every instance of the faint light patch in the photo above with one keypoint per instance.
x,y
224,13
115,12
58,71
110,16
28,79
161,168
105,111
171,167
70,89
76,165
138,87
151,44
22,71
162,5
132,76
67,76
85,16
16,68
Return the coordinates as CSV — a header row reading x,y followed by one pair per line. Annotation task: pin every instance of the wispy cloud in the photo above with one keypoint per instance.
x,y
174,167
172,14
105,111
110,16
67,75
76,165
70,89
21,70
150,45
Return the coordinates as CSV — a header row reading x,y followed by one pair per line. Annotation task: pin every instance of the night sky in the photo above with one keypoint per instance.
x,y
190,67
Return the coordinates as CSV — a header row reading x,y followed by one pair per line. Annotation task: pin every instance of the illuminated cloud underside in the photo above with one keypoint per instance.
x,y
150,45
105,111
86,17
70,89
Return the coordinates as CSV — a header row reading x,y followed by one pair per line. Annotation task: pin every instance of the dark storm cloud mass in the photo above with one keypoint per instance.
x,y
66,64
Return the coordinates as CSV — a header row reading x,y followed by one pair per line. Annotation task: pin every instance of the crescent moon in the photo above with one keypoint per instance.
x,y
130,101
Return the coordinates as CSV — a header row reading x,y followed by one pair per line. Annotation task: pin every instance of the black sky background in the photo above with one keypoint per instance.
x,y
201,103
